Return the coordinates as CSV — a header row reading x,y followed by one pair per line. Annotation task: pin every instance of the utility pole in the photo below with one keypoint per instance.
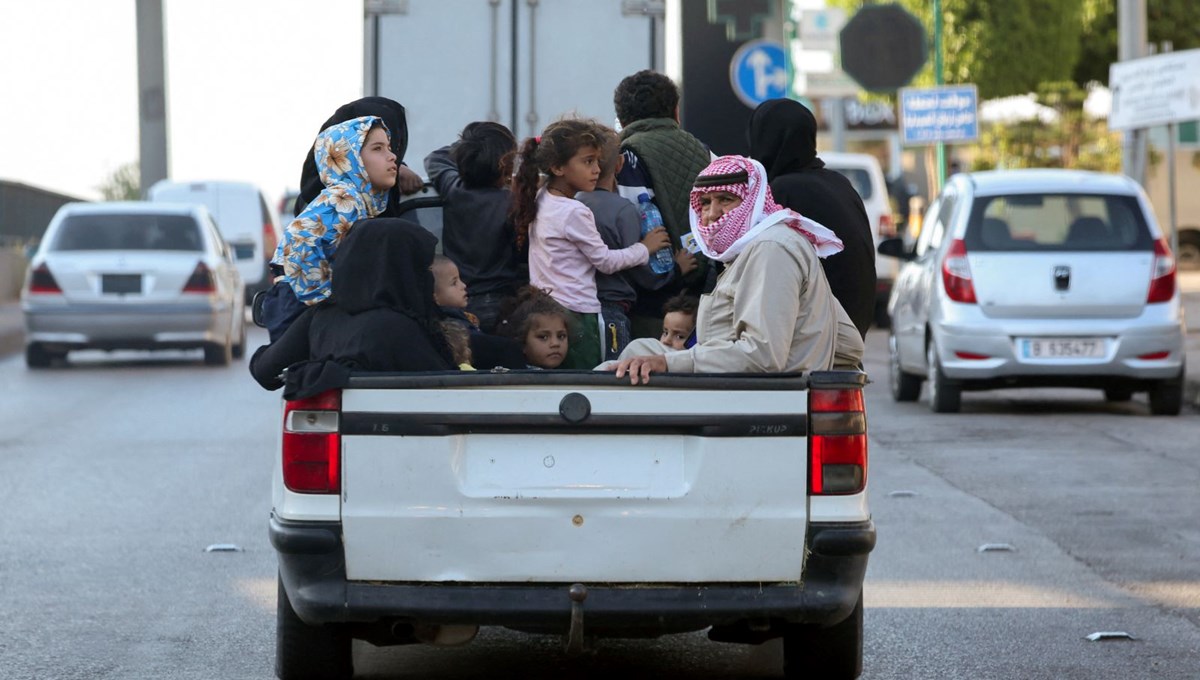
x,y
152,94
1131,44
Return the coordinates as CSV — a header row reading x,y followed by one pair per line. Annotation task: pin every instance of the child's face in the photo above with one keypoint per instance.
x,y
581,172
677,328
546,342
448,289
379,161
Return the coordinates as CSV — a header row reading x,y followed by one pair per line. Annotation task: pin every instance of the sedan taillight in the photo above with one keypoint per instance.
x,y
201,280
1162,274
41,281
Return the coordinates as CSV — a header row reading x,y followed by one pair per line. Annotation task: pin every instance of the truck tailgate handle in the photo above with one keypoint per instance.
x,y
575,408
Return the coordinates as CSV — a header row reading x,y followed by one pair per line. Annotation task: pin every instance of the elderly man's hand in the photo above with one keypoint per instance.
x,y
409,181
640,368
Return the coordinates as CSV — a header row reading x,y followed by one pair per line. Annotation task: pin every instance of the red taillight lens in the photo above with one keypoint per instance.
x,y
1162,274
956,273
312,444
269,243
42,281
201,280
971,356
887,228
1154,356
837,442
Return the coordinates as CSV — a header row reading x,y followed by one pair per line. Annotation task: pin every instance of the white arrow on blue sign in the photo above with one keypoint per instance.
x,y
757,72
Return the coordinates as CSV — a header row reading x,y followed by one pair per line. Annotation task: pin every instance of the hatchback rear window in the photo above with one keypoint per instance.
x,y
1057,223
129,232
859,177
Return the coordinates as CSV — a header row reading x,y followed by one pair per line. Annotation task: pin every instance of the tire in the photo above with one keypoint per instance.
x,y
944,396
834,652
304,652
36,356
1166,397
219,354
239,348
1117,394
882,319
905,386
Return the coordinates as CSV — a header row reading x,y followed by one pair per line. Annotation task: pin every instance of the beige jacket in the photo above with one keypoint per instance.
x,y
771,312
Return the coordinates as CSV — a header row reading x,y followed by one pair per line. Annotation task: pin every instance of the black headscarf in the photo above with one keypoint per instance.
x,y
393,116
385,263
783,137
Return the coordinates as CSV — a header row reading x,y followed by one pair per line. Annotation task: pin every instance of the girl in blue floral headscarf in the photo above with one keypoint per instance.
x,y
357,167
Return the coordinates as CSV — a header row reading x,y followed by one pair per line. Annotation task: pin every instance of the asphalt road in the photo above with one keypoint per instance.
x,y
117,471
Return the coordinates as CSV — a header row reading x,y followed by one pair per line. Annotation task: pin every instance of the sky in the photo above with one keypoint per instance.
x,y
249,83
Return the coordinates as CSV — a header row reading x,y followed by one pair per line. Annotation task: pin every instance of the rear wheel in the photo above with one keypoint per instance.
x,y
239,348
219,354
944,396
905,386
833,652
1166,397
1117,394
303,651
36,356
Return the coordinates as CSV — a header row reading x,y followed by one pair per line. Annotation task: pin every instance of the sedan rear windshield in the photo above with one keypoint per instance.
x,y
1057,223
129,232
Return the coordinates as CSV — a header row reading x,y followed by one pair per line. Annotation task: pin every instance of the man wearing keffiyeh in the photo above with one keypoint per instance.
x,y
772,310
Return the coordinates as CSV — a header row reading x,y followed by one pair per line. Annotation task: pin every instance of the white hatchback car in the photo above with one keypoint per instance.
x,y
133,276
1037,278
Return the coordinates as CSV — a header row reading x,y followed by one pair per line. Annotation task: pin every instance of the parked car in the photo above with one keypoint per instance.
x,y
864,173
133,276
1037,278
242,217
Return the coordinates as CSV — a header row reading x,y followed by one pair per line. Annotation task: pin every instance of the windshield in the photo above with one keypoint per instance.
x,y
860,178
1057,223
129,232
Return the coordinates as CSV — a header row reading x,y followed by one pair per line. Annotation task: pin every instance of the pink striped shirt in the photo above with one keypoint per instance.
x,y
565,250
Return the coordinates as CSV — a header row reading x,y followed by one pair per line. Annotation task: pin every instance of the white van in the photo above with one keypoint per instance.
x,y
241,212
864,173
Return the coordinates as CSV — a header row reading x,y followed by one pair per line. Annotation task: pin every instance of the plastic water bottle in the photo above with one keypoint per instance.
x,y
661,262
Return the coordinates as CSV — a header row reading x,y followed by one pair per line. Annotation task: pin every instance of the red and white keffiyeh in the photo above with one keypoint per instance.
x,y
745,177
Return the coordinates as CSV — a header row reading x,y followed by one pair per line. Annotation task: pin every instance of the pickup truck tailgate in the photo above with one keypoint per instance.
x,y
591,482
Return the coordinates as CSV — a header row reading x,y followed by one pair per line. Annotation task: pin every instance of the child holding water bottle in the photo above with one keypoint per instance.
x,y
565,248
620,226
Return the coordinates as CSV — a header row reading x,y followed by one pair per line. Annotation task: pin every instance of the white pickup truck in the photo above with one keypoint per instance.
x,y
417,507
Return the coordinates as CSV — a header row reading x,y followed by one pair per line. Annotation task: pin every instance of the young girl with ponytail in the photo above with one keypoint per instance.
x,y
565,249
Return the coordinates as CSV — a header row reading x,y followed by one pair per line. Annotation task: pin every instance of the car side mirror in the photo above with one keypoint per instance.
x,y
256,308
895,247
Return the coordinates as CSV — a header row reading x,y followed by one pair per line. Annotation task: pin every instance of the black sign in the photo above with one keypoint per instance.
x,y
883,47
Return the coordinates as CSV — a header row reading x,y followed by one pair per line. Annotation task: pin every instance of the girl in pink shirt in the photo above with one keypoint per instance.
x,y
565,249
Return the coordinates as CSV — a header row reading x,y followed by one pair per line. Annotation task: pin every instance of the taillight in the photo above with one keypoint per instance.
x,y
42,281
201,280
1162,274
311,444
837,442
956,273
269,243
887,228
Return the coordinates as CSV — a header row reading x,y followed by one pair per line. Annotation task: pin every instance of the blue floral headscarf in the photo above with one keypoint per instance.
x,y
311,240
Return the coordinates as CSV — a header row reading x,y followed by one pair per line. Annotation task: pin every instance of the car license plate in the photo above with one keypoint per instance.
x,y
243,251
121,283
1062,348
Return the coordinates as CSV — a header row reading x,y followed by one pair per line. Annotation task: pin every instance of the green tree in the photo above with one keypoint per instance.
x,y
124,184
1175,21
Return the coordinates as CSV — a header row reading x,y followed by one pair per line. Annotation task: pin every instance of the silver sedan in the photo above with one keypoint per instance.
x,y
132,275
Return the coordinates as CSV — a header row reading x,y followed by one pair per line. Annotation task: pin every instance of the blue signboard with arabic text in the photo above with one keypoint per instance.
x,y
939,114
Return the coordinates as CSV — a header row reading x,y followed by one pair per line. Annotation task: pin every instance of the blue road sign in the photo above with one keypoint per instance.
x,y
758,72
939,114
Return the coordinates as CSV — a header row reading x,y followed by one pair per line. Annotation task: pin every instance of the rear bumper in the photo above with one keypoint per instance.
x,y
112,326
313,570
